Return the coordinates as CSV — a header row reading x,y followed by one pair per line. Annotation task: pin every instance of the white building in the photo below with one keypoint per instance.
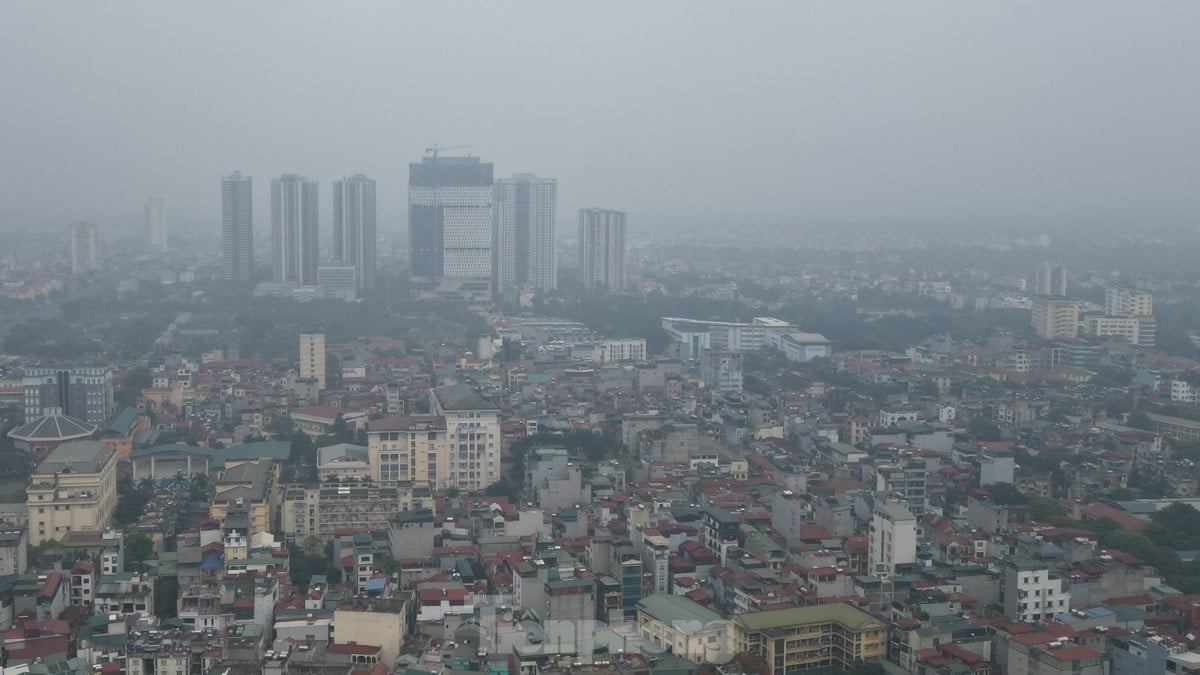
x,y
473,435
799,347
1128,328
1128,302
1031,593
156,225
721,370
354,237
893,537
294,225
450,228
312,358
692,336
85,248
526,208
630,349
602,248
1183,391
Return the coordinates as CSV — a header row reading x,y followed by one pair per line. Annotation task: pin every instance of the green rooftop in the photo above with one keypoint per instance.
x,y
671,609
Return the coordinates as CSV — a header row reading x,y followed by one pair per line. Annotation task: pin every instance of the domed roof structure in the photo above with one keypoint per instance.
x,y
53,428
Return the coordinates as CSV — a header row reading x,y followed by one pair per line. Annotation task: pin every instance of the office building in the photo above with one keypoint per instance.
x,y
1050,280
893,537
312,358
1055,317
237,228
294,230
525,216
1031,592
836,636
450,228
473,434
74,489
85,248
156,225
354,227
337,281
602,248
1120,301
85,393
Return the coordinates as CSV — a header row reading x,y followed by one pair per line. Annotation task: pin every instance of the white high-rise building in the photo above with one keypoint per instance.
x,y
312,358
1128,302
602,248
85,248
525,215
156,225
893,539
450,227
1031,591
237,228
294,230
354,237
472,433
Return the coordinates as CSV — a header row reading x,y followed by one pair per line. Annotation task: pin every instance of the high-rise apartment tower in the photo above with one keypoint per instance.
x,y
294,230
525,214
354,227
602,248
237,228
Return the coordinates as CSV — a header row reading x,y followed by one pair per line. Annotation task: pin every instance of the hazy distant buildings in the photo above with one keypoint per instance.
x,y
354,226
294,230
312,358
1120,301
1050,280
156,225
525,215
450,228
85,248
237,228
602,248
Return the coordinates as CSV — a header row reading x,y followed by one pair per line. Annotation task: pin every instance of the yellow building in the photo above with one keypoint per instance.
x,y
255,484
835,635
312,358
686,628
1054,317
412,448
73,489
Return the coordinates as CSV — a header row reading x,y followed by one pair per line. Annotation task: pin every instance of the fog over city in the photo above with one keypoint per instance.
x,y
763,115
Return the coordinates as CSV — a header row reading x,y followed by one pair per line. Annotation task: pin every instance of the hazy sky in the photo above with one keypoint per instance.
x,y
738,114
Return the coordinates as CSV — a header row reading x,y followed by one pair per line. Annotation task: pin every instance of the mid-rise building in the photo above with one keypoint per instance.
x,y
683,627
721,370
156,225
1122,301
1128,328
602,248
413,448
893,536
450,228
321,510
1031,592
526,208
1054,316
834,636
354,236
294,230
82,392
473,434
1050,279
237,228
312,358
689,337
73,489
85,248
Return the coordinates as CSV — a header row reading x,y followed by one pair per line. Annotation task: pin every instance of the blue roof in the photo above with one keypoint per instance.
x,y
122,422
211,561
376,584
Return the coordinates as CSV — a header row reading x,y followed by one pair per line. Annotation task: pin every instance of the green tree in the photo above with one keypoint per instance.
x,y
131,502
166,592
982,429
138,549
1138,419
133,383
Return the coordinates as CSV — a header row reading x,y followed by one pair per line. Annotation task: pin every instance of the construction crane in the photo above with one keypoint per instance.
x,y
438,148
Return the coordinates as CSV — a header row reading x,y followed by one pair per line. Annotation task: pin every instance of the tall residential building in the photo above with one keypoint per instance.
x,y
85,393
294,230
1050,280
450,228
721,370
602,248
893,537
237,228
473,435
354,226
312,358
1031,591
412,449
1128,302
156,225
526,208
1055,317
85,248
